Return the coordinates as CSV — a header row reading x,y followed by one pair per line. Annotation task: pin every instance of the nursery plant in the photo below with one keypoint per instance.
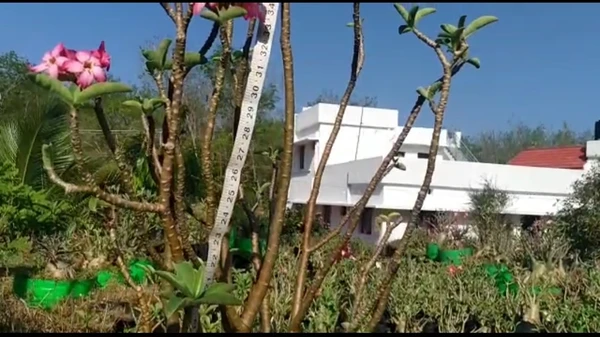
x,y
79,79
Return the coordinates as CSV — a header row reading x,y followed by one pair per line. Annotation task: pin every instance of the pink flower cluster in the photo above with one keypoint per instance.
x,y
82,67
253,9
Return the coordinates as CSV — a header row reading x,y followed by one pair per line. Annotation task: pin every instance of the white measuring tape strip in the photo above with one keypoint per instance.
x,y
254,87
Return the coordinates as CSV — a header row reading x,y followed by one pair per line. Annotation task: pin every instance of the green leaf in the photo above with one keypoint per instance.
x,y
191,278
93,204
474,62
54,86
210,15
173,305
423,92
350,24
161,52
479,23
411,15
100,89
133,104
193,59
448,28
461,21
402,11
403,29
231,13
220,293
221,299
173,280
423,13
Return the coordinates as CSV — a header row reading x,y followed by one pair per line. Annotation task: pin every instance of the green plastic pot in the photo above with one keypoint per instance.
x,y
82,288
454,256
48,293
433,251
136,270
243,246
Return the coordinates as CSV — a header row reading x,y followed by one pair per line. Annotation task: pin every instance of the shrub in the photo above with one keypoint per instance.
x,y
579,218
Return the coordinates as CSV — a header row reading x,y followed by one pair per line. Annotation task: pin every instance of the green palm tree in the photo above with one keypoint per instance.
x,y
44,120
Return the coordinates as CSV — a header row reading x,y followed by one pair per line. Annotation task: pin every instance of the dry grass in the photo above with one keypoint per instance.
x,y
106,310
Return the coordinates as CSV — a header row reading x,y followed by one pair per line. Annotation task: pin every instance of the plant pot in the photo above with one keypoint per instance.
x,y
137,272
433,251
82,288
48,293
454,256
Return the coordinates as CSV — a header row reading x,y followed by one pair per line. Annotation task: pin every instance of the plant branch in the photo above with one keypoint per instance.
x,y
172,121
357,315
261,286
382,299
353,215
356,67
124,168
210,40
170,12
206,155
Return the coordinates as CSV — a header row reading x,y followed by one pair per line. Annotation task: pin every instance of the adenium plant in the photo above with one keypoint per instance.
x,y
79,78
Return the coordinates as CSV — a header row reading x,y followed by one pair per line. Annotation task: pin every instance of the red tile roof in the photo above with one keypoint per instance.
x,y
568,157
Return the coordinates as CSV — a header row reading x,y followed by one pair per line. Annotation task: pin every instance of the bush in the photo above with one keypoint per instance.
x,y
25,211
579,219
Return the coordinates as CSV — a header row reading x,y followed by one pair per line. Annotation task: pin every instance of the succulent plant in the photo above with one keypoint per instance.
x,y
191,289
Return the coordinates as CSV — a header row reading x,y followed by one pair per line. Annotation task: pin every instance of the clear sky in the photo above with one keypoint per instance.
x,y
540,62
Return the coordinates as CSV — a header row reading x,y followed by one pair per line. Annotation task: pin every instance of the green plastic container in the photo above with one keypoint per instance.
x,y
82,288
43,293
454,256
136,270
433,251
244,245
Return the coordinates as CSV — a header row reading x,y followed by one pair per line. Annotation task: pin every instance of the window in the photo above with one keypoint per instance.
x,y
401,154
301,156
327,214
366,221
343,211
422,155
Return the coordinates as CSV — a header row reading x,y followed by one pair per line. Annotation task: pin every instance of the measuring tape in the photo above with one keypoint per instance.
x,y
254,87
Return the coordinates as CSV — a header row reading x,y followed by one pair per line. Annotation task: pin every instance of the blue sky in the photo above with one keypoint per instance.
x,y
539,62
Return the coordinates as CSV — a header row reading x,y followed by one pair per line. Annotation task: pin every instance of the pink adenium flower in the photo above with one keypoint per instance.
x,y
87,68
102,56
52,62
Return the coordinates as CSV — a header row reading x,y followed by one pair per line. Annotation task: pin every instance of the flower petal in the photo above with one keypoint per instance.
x,y
85,79
53,71
74,67
58,50
99,74
39,68
47,57
83,56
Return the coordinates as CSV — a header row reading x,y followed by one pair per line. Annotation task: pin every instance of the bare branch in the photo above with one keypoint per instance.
x,y
261,286
357,315
110,198
433,149
357,64
170,12
206,155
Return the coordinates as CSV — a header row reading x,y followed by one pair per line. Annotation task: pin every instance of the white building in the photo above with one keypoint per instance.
x,y
366,136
